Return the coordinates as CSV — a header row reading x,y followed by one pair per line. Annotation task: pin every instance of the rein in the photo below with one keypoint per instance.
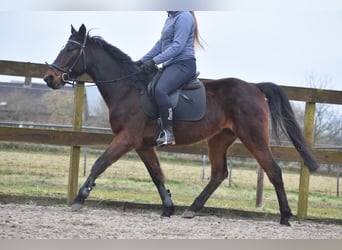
x,y
65,76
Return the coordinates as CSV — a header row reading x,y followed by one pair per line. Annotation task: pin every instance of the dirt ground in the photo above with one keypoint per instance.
x,y
30,221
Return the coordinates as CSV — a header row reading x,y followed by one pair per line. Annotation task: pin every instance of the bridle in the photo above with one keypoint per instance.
x,y
65,77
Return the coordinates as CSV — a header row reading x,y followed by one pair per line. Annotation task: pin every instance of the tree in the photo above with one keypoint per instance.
x,y
328,122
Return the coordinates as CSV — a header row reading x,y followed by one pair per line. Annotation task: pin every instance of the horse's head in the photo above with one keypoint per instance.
x,y
70,62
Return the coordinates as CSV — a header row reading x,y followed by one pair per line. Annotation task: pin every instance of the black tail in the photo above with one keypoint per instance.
x,y
282,116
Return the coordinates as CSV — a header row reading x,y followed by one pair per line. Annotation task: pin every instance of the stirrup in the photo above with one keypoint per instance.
x,y
162,139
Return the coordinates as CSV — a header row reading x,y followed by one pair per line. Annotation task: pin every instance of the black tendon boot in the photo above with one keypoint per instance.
x,y
166,135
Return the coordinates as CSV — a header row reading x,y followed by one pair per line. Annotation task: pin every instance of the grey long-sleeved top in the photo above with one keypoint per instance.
x,y
176,41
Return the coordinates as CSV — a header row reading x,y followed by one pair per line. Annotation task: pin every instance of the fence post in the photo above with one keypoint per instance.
x,y
338,181
75,151
204,157
230,171
308,132
28,82
260,187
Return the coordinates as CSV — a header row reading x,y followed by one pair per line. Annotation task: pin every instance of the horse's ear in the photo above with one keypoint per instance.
x,y
73,31
82,30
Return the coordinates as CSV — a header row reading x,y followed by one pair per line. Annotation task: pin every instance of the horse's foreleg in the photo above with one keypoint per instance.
x,y
116,149
217,146
151,161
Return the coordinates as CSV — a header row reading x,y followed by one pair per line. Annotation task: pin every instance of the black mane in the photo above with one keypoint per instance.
x,y
116,53
129,67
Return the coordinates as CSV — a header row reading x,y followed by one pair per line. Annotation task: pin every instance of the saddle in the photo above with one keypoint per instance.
x,y
188,103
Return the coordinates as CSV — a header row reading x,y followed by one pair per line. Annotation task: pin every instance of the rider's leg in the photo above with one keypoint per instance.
x,y
173,77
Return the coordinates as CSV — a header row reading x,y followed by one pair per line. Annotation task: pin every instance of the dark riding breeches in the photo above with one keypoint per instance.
x,y
172,78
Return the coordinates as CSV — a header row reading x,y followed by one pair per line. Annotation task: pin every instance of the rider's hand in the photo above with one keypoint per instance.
x,y
138,63
149,66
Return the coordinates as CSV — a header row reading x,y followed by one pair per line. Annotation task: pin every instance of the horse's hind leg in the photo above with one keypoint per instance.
x,y
217,146
275,177
274,174
151,161
258,145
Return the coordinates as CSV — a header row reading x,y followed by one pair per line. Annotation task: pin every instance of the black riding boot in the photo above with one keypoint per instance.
x,y
166,135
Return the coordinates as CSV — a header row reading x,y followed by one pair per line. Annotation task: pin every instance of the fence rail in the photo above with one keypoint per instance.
x,y
77,138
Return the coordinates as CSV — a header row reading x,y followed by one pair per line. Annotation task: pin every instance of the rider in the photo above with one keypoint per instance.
x,y
175,51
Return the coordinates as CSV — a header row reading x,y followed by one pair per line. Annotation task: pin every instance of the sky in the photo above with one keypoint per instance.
x,y
252,40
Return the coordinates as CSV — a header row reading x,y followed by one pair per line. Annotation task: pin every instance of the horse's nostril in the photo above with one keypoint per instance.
x,y
48,79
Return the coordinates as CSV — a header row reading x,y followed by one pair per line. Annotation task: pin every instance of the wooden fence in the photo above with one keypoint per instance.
x,y
76,138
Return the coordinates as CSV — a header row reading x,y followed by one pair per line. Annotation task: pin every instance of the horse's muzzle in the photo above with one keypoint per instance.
x,y
52,81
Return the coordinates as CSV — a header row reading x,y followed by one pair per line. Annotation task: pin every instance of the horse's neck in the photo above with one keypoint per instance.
x,y
107,74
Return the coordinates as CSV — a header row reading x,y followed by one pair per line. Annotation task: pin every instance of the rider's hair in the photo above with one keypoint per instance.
x,y
198,39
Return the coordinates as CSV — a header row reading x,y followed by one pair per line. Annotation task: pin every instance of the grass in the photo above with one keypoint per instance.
x,y
46,174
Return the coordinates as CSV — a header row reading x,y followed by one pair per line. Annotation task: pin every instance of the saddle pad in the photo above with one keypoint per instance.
x,y
188,105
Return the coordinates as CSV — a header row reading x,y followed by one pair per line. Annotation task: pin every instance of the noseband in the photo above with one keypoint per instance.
x,y
66,75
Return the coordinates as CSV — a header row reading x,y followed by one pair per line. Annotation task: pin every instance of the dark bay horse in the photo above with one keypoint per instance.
x,y
234,109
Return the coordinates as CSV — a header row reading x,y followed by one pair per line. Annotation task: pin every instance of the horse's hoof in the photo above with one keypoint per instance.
x,y
285,221
189,214
76,207
167,211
